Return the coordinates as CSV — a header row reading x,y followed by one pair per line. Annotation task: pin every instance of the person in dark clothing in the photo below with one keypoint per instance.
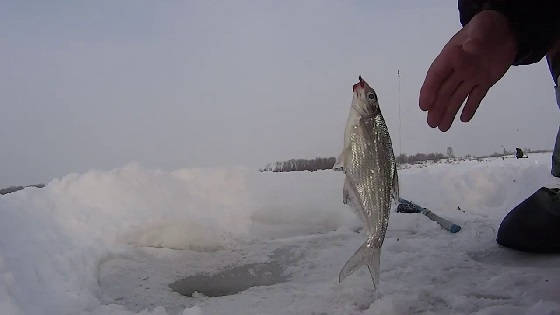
x,y
497,34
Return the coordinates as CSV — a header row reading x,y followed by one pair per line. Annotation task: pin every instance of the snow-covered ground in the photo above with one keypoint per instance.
x,y
112,242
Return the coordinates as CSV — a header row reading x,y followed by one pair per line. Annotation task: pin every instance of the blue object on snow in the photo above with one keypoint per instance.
x,y
406,206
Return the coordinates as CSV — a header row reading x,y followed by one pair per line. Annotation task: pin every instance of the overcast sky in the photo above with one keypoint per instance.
x,y
171,84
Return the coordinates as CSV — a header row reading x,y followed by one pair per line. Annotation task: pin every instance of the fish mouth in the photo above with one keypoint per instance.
x,y
361,84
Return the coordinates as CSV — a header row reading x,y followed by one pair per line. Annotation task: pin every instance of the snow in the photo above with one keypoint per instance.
x,y
111,242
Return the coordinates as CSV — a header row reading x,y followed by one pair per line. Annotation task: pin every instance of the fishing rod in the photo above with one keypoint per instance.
x,y
406,206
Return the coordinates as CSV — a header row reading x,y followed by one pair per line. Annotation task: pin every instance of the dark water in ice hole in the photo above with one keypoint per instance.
x,y
236,279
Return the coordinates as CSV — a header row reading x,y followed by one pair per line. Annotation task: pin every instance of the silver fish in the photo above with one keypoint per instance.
x,y
371,186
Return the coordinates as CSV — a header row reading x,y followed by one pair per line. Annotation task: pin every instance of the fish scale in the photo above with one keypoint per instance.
x,y
371,170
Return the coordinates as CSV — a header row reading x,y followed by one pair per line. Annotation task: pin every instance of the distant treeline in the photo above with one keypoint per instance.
x,y
328,163
12,189
300,165
419,157
506,152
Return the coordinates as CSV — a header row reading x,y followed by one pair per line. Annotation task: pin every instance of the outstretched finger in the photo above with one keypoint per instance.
x,y
437,74
455,103
475,97
435,114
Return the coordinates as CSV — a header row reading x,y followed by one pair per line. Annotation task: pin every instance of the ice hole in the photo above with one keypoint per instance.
x,y
231,281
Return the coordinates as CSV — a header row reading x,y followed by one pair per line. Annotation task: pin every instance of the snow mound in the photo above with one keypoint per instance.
x,y
52,239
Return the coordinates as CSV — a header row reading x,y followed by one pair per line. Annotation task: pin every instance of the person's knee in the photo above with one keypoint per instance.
x,y
553,59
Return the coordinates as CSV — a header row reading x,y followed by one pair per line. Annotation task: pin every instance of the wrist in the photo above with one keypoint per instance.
x,y
490,32
502,26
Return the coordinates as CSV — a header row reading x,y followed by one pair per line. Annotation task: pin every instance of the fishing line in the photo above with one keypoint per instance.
x,y
399,106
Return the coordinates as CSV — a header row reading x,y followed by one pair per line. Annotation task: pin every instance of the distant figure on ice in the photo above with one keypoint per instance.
x,y
519,153
497,34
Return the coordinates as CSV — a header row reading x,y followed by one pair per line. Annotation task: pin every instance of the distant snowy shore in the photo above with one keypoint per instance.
x,y
111,242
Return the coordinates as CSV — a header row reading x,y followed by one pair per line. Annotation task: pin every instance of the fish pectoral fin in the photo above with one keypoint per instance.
x,y
339,164
351,198
368,256
395,188
346,197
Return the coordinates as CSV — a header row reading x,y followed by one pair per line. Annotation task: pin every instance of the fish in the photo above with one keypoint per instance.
x,y
371,184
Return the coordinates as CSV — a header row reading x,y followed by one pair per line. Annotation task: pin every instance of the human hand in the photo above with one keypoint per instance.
x,y
471,62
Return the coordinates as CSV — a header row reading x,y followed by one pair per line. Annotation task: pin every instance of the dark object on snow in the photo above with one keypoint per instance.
x,y
12,189
534,225
406,206
519,153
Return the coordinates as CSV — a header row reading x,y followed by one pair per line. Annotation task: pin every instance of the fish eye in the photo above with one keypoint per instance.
x,y
372,96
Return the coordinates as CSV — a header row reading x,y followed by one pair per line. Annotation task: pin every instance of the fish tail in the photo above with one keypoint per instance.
x,y
368,256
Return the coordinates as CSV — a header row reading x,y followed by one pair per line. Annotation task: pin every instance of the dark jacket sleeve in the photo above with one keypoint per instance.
x,y
536,24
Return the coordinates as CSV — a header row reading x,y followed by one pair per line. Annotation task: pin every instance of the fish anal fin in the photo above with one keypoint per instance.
x,y
368,256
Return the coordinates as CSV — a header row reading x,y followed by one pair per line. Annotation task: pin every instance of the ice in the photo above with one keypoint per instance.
x,y
111,242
